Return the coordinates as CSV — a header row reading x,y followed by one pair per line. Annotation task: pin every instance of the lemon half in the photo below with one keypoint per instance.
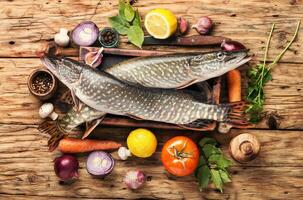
x,y
160,23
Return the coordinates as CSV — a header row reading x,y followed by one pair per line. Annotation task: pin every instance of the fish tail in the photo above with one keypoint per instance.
x,y
53,129
235,114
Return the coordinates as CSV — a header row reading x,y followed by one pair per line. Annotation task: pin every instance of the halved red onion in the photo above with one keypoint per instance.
x,y
99,163
85,33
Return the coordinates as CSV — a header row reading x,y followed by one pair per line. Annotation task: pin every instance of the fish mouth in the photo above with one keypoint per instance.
x,y
50,62
239,58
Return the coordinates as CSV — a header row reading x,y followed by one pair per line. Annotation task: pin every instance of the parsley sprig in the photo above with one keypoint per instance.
x,y
213,165
259,76
128,22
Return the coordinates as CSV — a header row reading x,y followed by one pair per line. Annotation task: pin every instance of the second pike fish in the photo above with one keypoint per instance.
x,y
109,95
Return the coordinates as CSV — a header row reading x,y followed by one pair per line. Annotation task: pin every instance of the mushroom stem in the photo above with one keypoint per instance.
x,y
53,116
244,147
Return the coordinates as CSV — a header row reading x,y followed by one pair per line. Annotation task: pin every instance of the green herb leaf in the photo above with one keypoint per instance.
x,y
135,35
203,177
119,24
121,9
207,141
209,150
216,178
129,13
224,176
220,161
137,19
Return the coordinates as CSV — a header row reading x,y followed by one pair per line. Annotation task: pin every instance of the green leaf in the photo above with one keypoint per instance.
x,y
119,24
203,177
216,178
202,161
121,9
207,141
137,19
224,176
129,13
209,150
219,160
135,35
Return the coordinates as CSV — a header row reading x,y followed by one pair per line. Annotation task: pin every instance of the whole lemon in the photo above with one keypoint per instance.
x,y
142,143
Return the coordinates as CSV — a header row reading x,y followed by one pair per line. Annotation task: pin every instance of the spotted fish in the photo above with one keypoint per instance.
x,y
177,70
104,93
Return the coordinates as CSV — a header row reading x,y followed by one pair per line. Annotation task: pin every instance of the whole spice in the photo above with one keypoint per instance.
x,y
213,165
259,76
134,179
244,147
62,38
42,83
66,167
109,38
99,163
203,26
183,26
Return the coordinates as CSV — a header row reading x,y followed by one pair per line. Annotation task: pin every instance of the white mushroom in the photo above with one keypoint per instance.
x,y
62,38
123,153
47,110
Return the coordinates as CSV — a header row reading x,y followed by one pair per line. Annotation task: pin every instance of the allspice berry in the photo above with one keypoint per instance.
x,y
244,147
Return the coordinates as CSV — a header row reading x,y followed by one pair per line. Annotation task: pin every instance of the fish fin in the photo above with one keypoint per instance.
x,y
56,133
199,125
236,116
186,84
77,102
134,117
90,126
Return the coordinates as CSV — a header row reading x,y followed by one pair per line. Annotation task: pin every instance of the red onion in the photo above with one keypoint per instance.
x,y
134,179
232,46
85,33
66,167
99,163
204,25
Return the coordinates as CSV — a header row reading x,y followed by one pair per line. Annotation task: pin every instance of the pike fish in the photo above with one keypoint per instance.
x,y
177,70
104,93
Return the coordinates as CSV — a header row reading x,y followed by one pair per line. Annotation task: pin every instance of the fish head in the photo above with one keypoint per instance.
x,y
220,62
66,70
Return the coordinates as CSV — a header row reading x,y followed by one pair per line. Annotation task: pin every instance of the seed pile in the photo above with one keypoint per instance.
x,y
42,83
108,37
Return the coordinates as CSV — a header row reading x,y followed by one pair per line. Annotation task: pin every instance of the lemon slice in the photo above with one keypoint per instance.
x,y
160,23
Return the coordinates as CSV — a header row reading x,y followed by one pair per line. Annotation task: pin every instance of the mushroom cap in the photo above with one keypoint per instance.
x,y
46,109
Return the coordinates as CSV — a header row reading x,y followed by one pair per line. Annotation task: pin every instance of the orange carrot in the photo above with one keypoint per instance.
x,y
73,145
234,85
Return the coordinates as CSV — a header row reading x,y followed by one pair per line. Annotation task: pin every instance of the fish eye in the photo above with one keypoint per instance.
x,y
220,55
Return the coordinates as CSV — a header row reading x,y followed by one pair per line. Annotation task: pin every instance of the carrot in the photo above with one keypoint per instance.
x,y
73,145
234,85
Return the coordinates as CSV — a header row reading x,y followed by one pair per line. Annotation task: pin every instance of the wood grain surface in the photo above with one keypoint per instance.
x,y
26,169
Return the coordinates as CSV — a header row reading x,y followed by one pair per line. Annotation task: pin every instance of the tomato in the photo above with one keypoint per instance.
x,y
180,156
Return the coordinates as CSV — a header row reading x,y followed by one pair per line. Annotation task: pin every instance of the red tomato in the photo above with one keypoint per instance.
x,y
180,156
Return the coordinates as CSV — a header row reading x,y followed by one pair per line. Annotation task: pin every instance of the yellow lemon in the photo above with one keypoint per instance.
x,y
142,143
160,23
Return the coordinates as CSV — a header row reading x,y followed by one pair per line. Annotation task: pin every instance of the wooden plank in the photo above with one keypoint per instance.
x,y
284,94
26,169
27,27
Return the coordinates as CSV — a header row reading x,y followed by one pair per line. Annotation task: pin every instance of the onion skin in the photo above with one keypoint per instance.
x,y
66,167
232,46
85,34
134,179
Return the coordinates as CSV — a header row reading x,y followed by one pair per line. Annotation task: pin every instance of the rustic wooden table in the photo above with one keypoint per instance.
x,y
26,169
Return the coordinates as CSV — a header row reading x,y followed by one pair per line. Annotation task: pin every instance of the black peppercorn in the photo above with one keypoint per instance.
x,y
109,37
